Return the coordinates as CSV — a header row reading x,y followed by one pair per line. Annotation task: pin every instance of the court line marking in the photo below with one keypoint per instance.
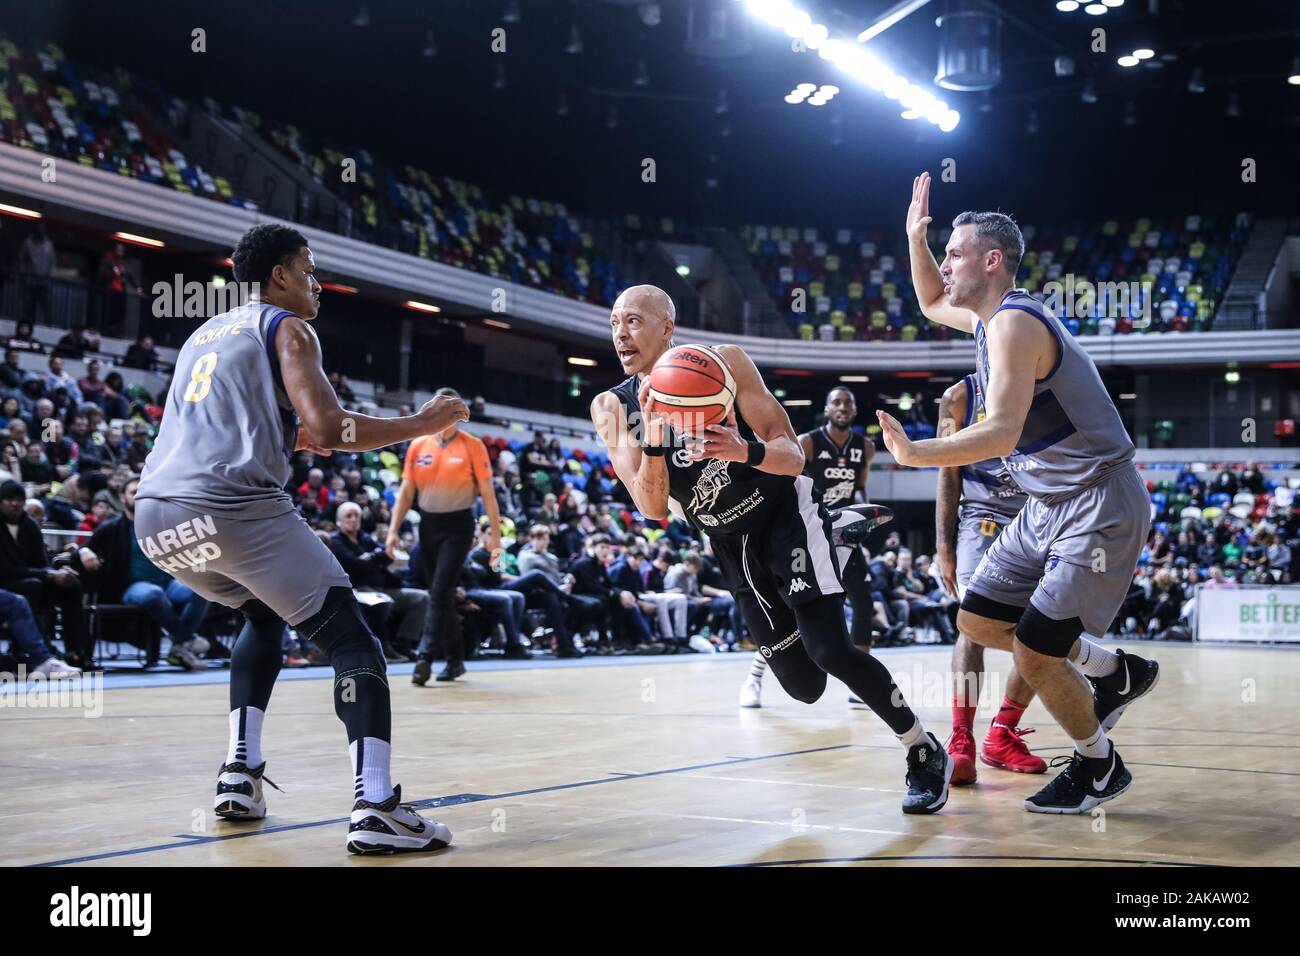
x,y
909,859
187,840
1182,766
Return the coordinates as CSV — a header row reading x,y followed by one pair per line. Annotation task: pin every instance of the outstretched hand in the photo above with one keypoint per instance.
x,y
918,213
896,440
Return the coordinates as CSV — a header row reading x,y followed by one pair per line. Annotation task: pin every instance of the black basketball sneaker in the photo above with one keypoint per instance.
x,y
1135,677
393,827
929,768
239,792
851,524
1083,784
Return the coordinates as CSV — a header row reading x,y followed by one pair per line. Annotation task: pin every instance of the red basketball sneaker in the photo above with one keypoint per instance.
x,y
961,748
1004,749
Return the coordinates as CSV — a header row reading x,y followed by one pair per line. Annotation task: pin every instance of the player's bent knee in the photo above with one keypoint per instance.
x,y
1044,635
987,623
258,613
805,688
340,630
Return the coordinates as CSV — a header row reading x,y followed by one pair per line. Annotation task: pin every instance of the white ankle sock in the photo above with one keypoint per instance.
x,y
1096,746
757,667
370,777
914,736
246,736
1094,660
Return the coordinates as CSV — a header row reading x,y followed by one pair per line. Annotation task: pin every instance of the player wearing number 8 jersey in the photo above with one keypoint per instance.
x,y
211,510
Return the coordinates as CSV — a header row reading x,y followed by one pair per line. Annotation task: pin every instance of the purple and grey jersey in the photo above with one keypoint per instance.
x,y
986,486
1073,438
228,431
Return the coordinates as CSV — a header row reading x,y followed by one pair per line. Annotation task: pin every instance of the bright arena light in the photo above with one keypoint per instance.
x,y
1128,60
853,59
805,88
1113,3
1096,9
1144,53
1067,6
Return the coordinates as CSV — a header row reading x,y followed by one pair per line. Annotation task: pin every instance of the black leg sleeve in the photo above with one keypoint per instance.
x,y
821,622
257,656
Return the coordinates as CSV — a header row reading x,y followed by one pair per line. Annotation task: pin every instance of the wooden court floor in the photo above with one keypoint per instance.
x,y
652,764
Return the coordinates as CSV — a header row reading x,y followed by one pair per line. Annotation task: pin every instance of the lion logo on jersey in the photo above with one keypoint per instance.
x,y
712,480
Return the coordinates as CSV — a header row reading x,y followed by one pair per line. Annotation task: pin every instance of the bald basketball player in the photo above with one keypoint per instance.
x,y
742,484
1064,564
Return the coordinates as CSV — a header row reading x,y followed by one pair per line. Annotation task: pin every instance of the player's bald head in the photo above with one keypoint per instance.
x,y
650,301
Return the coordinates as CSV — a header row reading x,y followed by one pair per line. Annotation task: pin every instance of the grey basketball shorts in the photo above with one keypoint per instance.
x,y
976,532
278,560
1074,558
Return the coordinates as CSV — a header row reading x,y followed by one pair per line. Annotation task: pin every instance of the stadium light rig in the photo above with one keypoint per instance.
x,y
859,63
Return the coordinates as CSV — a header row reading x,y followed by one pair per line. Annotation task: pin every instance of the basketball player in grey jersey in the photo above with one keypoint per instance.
x,y
1065,563
212,512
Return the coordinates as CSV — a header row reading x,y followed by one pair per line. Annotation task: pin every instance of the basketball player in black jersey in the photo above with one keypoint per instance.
x,y
837,459
742,484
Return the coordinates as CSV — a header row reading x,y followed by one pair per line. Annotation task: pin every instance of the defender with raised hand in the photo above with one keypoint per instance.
x,y
1064,564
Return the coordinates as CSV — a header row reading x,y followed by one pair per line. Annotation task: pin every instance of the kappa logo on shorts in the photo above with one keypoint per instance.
x,y
797,585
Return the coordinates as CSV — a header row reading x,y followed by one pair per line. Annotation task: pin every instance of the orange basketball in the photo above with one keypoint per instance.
x,y
692,388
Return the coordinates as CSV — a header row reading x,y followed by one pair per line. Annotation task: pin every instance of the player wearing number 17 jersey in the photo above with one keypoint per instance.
x,y
212,512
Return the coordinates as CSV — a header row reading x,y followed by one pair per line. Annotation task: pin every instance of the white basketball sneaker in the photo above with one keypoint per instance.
x,y
393,827
239,792
751,693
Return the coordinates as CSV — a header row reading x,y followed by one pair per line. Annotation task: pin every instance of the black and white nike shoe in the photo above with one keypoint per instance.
x,y
851,524
1134,678
393,827
1083,784
239,792
929,768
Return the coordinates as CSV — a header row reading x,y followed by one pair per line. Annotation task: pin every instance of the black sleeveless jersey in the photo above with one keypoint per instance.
x,y
718,497
834,470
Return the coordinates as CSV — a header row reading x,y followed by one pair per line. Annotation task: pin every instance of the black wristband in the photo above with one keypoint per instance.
x,y
757,450
654,451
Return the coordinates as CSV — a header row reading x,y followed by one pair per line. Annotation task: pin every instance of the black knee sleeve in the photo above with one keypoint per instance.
x,y
360,683
1040,633
987,607
256,658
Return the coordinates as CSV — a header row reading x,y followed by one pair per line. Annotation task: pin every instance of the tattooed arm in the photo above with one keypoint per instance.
x,y
646,476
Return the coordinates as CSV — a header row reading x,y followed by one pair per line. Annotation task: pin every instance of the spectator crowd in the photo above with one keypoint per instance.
x,y
581,571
